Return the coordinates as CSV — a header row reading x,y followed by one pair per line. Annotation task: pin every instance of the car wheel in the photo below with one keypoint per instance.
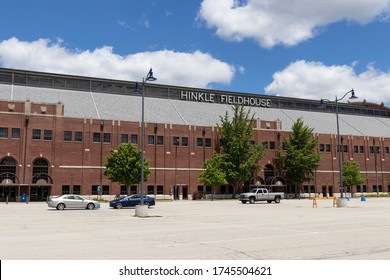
x,y
243,201
90,206
269,201
60,206
277,199
119,206
251,200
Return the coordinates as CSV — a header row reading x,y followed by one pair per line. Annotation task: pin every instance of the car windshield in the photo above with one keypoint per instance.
x,y
254,191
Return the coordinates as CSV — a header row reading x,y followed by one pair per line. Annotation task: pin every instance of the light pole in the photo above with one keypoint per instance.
x,y
352,92
149,77
177,143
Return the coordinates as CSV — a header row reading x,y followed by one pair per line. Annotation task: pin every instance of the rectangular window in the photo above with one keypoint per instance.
x,y
78,136
377,150
124,138
15,133
371,149
327,147
95,190
36,134
47,135
199,142
76,189
133,189
65,189
150,189
150,139
184,141
3,132
160,189
67,136
364,188
361,148
106,190
355,149
345,148
123,190
200,188
322,147
272,145
265,144
176,141
387,150
106,137
160,140
208,142
96,137
134,139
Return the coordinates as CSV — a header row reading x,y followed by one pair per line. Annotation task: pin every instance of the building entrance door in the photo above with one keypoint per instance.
x,y
39,193
8,192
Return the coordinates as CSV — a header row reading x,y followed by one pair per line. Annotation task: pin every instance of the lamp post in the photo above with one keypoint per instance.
x,y
352,92
101,158
149,77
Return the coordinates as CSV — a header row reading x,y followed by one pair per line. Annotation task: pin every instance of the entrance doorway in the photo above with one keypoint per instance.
x,y
9,192
39,193
185,192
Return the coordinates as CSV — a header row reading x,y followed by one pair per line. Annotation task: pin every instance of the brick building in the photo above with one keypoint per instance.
x,y
56,130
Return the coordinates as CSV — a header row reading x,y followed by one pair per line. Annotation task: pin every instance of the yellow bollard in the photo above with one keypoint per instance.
x,y
314,202
334,201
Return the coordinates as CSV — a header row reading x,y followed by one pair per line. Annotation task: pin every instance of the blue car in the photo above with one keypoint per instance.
x,y
131,201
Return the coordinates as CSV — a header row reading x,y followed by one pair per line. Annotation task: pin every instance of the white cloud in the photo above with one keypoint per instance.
x,y
274,22
314,80
196,69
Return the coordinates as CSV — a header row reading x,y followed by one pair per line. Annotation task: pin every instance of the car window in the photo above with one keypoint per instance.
x,y
77,197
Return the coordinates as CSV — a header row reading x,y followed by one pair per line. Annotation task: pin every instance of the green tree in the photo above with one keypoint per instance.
x,y
240,155
214,174
299,159
351,174
123,165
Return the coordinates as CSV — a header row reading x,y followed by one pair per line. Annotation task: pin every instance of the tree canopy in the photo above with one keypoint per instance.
x,y
123,165
299,158
351,174
241,155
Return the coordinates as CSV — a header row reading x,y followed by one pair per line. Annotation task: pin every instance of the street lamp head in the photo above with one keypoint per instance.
x,y
353,96
150,77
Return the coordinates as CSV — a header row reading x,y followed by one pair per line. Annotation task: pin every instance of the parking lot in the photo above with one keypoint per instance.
x,y
202,230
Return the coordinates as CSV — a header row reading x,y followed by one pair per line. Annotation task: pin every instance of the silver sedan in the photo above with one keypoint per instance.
x,y
72,201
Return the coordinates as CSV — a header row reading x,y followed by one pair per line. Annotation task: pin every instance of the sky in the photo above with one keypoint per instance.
x,y
296,48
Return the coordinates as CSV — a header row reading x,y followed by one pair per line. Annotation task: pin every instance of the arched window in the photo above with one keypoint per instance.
x,y
40,170
7,169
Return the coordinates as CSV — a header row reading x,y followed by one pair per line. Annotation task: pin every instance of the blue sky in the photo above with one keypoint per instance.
x,y
298,48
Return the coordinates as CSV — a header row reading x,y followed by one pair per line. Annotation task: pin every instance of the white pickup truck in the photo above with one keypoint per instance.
x,y
260,194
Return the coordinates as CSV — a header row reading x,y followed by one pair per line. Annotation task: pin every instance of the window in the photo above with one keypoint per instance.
x,y
176,140
184,141
200,188
160,189
387,150
208,142
96,137
272,145
371,149
78,136
15,133
124,138
361,148
355,149
65,189
134,138
95,190
67,136
345,148
76,189
3,132
199,142
160,140
265,144
327,147
123,190
106,137
150,139
47,135
322,147
150,189
36,134
133,189
106,190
